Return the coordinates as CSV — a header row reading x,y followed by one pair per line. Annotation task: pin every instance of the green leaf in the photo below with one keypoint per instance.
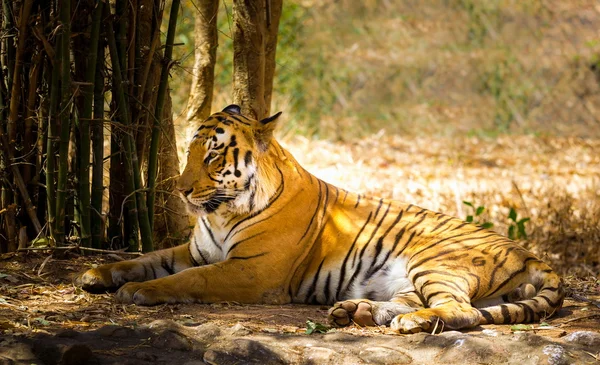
x,y
42,321
512,215
487,225
468,203
521,327
3,275
511,232
524,220
544,324
315,327
40,242
479,210
470,218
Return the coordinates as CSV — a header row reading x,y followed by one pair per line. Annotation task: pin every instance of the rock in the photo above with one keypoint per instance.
x,y
242,351
171,340
145,356
490,333
67,333
116,331
239,330
557,355
384,356
466,349
585,338
339,337
207,332
76,354
321,355
13,352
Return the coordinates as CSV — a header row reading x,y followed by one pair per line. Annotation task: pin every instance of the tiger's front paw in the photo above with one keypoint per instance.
x,y
96,280
357,311
146,293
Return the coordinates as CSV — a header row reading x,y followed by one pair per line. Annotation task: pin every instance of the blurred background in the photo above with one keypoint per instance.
x,y
346,69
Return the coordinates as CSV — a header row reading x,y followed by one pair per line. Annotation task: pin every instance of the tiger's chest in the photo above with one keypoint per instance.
x,y
209,242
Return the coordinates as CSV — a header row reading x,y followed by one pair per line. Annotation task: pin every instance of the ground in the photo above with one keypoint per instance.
x,y
44,319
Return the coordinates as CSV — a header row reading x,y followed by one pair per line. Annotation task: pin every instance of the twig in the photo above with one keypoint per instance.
x,y
520,195
581,298
580,318
72,248
117,252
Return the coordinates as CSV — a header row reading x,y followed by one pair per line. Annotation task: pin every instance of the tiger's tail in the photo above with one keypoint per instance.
x,y
545,303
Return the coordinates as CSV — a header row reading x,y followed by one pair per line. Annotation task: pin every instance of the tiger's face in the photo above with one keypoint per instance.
x,y
223,159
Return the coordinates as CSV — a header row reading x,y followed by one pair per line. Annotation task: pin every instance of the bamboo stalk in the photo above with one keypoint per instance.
x,y
97,130
51,146
8,158
30,115
84,127
140,201
158,114
16,84
10,49
64,117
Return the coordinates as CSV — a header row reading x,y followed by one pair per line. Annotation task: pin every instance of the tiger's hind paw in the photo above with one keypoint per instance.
x,y
417,322
358,311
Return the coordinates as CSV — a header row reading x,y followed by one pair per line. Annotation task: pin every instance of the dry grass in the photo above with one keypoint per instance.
x,y
347,69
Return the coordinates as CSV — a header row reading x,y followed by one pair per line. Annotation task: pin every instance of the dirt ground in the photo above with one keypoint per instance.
x,y
43,317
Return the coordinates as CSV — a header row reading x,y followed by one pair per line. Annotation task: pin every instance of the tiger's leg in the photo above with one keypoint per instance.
x,y
447,311
147,267
365,312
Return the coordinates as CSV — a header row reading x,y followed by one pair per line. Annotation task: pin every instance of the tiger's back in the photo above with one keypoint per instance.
x,y
268,231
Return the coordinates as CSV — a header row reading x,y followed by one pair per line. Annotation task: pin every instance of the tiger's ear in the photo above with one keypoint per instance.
x,y
233,109
264,131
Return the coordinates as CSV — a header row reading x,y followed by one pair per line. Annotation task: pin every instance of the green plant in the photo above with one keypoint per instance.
x,y
316,327
477,212
516,229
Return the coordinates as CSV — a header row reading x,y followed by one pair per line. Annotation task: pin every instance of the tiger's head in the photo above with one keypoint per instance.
x,y
227,168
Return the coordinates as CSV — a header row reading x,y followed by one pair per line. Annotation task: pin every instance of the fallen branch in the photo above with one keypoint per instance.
x,y
73,248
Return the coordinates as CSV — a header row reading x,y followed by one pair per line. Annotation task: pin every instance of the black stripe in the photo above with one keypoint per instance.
x,y
362,252
211,235
353,277
272,200
379,248
311,290
198,250
247,257
194,262
357,201
326,288
165,265
344,263
243,240
487,315
314,213
507,280
379,207
345,196
505,314
550,302
441,224
416,223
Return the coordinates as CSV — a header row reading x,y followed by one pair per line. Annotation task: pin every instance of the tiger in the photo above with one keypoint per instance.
x,y
268,231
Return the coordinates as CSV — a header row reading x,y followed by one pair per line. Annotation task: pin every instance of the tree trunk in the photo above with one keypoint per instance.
x,y
254,46
170,224
206,42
